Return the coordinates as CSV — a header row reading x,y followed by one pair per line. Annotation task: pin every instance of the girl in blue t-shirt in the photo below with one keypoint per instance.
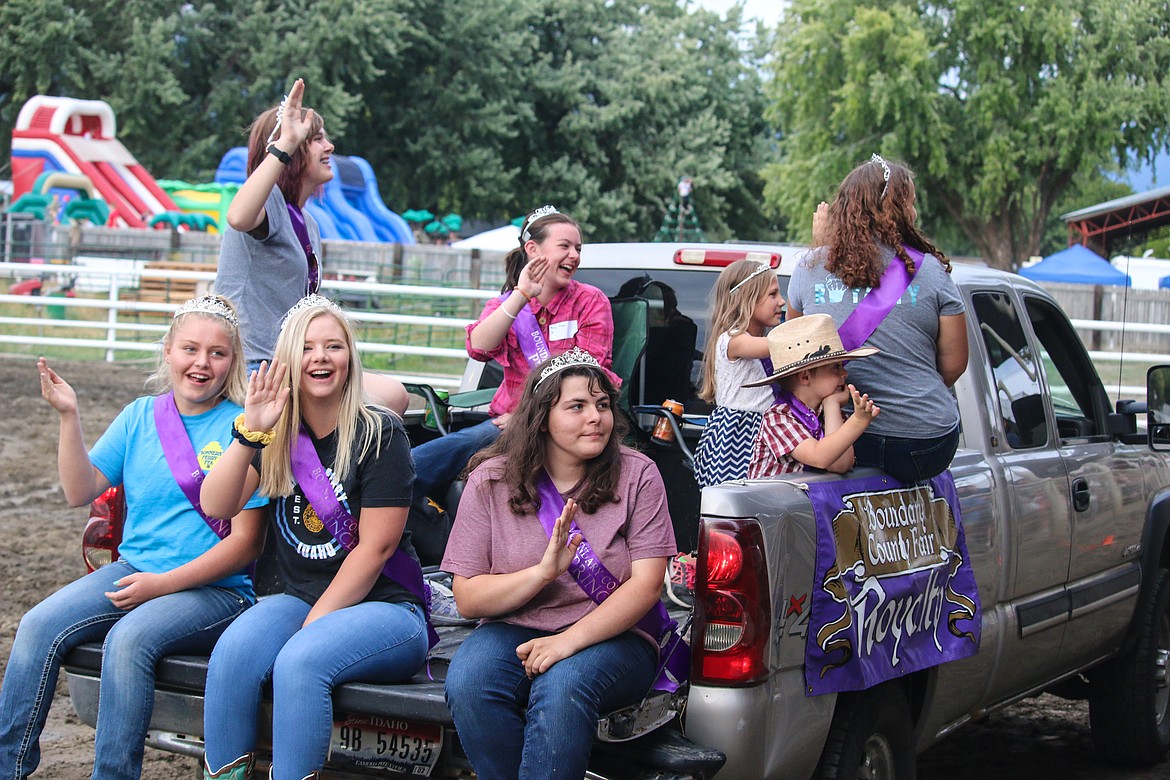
x,y
178,581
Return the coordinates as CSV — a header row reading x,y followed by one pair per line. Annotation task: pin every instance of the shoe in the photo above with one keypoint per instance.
x,y
680,580
442,603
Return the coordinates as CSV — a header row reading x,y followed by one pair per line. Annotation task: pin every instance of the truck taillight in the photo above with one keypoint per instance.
x,y
103,532
733,606
720,258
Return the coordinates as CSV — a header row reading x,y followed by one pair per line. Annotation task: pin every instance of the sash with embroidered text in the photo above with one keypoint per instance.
x,y
894,591
598,583
527,331
342,526
181,458
879,301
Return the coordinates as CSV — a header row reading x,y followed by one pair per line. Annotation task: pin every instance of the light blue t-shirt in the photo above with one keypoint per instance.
x,y
162,530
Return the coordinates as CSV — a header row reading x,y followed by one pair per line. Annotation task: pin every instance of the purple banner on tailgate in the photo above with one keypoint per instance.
x,y
894,591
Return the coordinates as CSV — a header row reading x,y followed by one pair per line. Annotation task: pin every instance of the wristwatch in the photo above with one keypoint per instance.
x,y
283,156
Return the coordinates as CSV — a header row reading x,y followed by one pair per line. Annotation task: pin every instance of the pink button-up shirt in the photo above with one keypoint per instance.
x,y
578,316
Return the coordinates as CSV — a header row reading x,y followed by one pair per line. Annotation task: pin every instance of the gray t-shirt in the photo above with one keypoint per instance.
x,y
264,278
903,378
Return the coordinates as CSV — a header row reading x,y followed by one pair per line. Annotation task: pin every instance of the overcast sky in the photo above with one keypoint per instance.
x,y
766,10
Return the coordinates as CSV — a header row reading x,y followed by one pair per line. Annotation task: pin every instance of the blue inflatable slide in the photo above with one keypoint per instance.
x,y
350,207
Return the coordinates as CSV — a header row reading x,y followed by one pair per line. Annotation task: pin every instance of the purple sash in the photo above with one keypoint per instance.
x,y
298,223
598,583
879,301
527,331
181,458
310,475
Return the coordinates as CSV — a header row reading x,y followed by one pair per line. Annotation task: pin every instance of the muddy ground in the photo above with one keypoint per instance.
x,y
1041,738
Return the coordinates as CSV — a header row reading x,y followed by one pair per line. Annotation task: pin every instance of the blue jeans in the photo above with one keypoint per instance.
x,y
185,622
512,727
908,460
440,460
373,641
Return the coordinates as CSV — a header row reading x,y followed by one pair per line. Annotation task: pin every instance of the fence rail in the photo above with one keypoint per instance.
x,y
119,301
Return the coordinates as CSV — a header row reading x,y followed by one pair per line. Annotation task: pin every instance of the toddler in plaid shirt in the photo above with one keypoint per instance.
x,y
806,427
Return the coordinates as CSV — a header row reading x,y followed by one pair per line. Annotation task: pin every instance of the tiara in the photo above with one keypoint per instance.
x,y
279,117
760,269
574,357
543,211
877,158
311,301
208,304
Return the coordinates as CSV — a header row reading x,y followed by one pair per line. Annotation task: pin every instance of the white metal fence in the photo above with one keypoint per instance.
x,y
118,276
118,304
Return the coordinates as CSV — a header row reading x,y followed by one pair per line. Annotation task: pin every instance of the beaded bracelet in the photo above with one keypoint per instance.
x,y
255,439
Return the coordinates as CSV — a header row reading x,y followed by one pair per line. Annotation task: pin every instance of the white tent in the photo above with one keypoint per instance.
x,y
501,239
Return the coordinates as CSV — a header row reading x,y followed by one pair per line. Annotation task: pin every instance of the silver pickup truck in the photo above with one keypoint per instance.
x,y
1065,513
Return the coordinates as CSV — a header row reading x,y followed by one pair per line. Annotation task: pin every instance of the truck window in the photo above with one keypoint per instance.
x,y
1070,374
1015,371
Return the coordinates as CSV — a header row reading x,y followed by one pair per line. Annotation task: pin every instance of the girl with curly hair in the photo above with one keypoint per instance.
x,y
921,330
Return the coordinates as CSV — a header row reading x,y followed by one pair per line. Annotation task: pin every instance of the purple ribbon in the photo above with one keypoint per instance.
x,y
314,482
598,583
769,369
528,333
879,301
298,223
181,459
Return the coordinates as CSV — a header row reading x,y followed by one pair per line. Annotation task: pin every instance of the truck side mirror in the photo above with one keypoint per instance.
x,y
1158,407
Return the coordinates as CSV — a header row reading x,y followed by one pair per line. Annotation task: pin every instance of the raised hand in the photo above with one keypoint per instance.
x,y
863,408
56,390
296,121
532,275
268,393
561,548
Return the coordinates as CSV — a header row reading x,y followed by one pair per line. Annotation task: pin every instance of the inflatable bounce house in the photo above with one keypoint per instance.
x,y
68,148
350,206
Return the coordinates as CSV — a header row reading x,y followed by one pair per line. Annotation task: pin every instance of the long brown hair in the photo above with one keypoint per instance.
x,y
868,210
524,443
731,312
537,230
292,177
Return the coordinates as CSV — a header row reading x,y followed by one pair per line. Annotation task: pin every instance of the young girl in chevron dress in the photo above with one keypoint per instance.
x,y
747,303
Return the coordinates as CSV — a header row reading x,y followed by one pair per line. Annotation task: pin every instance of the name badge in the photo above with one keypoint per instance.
x,y
560,331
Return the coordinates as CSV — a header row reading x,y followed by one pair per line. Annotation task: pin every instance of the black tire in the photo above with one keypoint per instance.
x,y
871,737
1129,696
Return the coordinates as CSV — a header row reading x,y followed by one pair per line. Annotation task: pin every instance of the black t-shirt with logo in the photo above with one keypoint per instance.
x,y
307,555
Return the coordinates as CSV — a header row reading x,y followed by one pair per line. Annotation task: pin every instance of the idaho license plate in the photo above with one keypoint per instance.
x,y
401,745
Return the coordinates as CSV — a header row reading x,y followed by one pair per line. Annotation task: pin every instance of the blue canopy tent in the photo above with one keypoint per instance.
x,y
1076,265
1164,283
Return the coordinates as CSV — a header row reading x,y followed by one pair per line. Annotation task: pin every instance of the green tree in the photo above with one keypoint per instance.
x,y
998,106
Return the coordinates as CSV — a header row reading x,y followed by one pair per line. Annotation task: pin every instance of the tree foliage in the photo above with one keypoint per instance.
x,y
486,109
999,106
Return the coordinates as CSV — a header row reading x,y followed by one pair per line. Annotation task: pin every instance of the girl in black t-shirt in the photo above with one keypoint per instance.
x,y
339,475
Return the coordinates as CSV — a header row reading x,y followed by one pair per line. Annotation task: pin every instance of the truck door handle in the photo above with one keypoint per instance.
x,y
1080,494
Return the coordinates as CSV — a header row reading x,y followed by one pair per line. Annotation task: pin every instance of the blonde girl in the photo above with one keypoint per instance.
x,y
339,476
179,579
746,304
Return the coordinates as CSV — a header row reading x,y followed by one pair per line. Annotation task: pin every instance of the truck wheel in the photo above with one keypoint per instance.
x,y
871,738
1129,696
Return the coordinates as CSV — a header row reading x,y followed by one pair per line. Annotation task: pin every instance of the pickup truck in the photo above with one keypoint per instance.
x,y
1065,507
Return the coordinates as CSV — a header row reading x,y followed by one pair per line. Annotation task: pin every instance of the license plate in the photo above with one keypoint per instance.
x,y
401,745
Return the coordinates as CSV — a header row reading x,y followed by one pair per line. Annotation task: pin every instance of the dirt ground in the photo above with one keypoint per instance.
x,y
1045,737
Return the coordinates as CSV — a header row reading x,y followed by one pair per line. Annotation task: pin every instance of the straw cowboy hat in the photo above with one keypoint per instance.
x,y
806,342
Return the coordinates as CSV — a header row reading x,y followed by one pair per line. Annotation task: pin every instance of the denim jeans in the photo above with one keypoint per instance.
x,y
373,641
440,460
908,460
512,727
185,622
